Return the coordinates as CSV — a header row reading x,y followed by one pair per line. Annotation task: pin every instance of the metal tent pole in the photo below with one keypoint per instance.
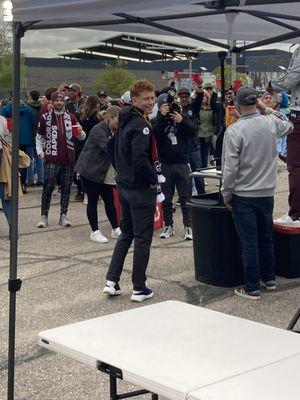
x,y
280,38
222,4
14,284
233,61
221,113
222,56
294,320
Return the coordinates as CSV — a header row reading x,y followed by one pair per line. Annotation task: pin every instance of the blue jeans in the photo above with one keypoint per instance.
x,y
6,204
198,160
204,150
253,218
36,167
196,165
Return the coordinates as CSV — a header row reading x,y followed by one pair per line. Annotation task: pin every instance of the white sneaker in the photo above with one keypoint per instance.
x,y
64,221
167,232
97,236
287,220
43,222
115,233
188,233
112,289
138,296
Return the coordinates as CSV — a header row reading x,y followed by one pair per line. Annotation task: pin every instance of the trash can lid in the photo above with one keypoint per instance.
x,y
206,204
287,229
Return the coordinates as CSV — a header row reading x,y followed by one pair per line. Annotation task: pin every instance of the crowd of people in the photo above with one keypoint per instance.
x,y
143,147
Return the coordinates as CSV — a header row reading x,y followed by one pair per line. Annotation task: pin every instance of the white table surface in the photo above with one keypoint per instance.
x,y
278,381
173,348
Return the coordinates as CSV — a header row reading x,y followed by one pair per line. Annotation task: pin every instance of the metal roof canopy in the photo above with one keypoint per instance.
x,y
257,60
120,52
29,14
85,56
145,43
141,48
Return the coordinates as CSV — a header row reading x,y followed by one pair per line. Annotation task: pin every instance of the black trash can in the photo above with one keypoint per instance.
x,y
286,248
217,250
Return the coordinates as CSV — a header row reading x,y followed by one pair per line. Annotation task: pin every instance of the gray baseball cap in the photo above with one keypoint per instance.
x,y
162,99
246,96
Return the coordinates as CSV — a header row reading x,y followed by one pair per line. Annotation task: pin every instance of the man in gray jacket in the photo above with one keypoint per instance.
x,y
249,178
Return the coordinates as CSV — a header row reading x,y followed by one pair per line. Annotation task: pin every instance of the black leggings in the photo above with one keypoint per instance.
x,y
94,190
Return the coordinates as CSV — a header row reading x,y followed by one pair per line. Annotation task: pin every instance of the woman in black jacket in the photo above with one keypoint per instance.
x,y
88,116
97,174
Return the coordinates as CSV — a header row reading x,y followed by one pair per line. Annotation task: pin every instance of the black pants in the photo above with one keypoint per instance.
x,y
137,220
24,171
50,178
94,190
78,149
293,165
177,175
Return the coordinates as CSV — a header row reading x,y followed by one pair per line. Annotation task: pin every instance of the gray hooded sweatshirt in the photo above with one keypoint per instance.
x,y
249,157
290,80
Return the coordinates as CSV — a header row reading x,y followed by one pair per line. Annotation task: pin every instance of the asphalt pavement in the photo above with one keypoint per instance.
x,y
63,274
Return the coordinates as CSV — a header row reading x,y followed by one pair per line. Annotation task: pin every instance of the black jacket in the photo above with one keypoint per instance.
x,y
192,111
87,125
132,151
213,102
164,128
94,159
73,107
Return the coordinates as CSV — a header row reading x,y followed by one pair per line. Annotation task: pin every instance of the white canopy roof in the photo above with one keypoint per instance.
x,y
238,25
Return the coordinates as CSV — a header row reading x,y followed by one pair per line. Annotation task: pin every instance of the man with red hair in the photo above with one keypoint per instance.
x,y
137,190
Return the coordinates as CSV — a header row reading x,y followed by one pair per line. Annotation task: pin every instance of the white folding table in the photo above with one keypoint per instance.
x,y
277,381
171,348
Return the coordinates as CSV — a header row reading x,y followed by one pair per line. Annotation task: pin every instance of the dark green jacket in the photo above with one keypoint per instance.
x,y
36,112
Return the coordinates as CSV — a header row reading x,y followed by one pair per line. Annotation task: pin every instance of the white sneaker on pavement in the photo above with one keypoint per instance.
x,y
64,221
167,232
112,289
139,296
115,233
43,222
188,233
97,236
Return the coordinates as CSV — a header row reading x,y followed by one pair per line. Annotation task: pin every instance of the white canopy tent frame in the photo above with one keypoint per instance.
x,y
79,14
